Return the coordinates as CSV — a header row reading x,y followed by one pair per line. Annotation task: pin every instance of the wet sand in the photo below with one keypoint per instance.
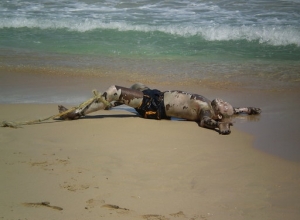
x,y
115,165
275,130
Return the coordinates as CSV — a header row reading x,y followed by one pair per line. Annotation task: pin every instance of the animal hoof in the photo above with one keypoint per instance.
x,y
224,128
69,115
254,111
225,132
62,109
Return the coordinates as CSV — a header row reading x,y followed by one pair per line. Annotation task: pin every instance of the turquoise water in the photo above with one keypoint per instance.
x,y
197,38
132,43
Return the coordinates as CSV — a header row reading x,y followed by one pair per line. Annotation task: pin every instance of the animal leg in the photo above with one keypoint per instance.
x,y
223,127
207,122
247,110
115,95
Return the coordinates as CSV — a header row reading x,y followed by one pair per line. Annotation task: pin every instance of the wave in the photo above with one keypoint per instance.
x,y
272,35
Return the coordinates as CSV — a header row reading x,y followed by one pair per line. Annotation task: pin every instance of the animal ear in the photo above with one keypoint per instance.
x,y
220,116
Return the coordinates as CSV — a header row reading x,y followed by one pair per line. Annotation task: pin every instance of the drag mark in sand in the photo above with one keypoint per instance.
x,y
118,209
44,204
114,207
92,203
155,217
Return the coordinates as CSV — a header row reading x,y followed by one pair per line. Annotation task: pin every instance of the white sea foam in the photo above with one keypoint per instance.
x,y
278,23
273,35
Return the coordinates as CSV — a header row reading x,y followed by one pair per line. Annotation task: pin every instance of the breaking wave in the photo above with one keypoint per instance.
x,y
272,35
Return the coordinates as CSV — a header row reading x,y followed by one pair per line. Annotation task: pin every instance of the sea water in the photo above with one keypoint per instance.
x,y
183,40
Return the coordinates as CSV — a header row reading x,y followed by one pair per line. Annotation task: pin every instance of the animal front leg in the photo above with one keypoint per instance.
x,y
207,122
247,110
223,127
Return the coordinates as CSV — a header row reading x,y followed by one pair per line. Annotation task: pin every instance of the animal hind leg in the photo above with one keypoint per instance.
x,y
82,110
113,96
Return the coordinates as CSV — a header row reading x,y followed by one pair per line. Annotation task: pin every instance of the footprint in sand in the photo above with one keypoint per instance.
x,y
74,187
49,165
92,203
178,214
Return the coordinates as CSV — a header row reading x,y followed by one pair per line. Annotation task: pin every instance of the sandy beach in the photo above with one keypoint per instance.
x,y
116,165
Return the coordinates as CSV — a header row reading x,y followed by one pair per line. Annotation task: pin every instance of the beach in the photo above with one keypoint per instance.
x,y
116,165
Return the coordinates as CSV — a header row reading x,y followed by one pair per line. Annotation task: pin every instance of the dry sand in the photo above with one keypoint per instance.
x,y
115,165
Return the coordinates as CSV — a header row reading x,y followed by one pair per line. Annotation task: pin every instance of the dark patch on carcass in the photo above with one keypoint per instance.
x,y
168,107
129,94
193,96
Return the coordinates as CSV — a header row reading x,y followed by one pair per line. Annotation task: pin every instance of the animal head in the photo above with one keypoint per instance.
x,y
222,109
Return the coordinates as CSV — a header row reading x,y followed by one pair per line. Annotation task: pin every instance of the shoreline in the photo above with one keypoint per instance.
x,y
253,74
274,130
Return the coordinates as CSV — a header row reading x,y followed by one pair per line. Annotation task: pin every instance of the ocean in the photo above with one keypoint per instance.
x,y
181,40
